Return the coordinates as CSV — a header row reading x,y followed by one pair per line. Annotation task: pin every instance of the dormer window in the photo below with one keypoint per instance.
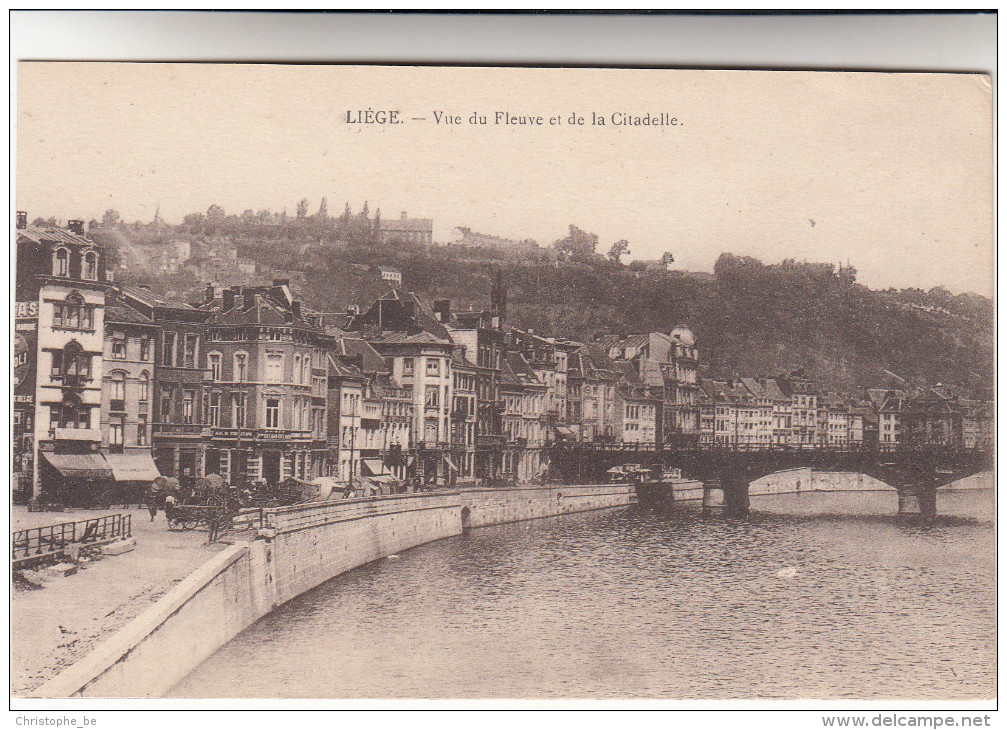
x,y
91,266
61,262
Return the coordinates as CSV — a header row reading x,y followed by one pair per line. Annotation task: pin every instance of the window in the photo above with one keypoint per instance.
x,y
272,412
240,367
71,413
188,398
72,364
61,262
274,367
433,397
297,368
145,353
214,358
191,344
141,430
91,266
305,414
144,387
119,345
117,391
433,366
407,366
72,313
56,371
166,404
168,353
297,414
214,409
115,434
238,401
306,370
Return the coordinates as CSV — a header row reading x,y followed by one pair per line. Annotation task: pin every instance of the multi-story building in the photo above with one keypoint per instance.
x,y
668,364
464,410
781,411
60,294
481,334
177,408
638,410
127,387
525,420
764,423
266,361
384,416
347,387
404,331
804,422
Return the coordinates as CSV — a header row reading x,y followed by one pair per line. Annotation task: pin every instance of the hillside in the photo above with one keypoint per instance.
x,y
750,318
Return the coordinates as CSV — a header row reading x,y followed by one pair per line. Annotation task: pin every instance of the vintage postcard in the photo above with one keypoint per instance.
x,y
401,382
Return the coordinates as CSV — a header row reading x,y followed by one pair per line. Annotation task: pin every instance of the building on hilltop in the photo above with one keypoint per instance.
x,y
406,230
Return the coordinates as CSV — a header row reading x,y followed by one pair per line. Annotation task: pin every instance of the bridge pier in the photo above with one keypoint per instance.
x,y
713,497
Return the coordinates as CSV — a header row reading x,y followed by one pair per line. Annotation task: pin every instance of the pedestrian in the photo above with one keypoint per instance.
x,y
152,508
169,507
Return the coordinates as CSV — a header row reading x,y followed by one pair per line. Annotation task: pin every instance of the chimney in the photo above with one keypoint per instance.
x,y
353,309
22,219
76,226
281,282
442,309
228,299
208,296
295,308
250,299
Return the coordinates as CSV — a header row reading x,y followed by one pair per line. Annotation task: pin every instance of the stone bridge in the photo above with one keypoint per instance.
x,y
915,472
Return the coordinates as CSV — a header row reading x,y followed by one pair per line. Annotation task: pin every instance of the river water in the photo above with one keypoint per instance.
x,y
631,603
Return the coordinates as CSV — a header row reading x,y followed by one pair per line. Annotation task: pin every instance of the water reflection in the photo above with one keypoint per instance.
x,y
633,603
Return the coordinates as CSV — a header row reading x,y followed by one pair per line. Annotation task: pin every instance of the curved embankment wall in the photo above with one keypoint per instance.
x,y
300,548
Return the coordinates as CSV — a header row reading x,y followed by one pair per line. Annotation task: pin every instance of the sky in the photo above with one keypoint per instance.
x,y
891,172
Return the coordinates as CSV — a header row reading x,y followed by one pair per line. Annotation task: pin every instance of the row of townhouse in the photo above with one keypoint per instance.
x,y
933,417
780,411
116,385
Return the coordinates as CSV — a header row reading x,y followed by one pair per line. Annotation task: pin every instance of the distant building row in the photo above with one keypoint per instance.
x,y
115,385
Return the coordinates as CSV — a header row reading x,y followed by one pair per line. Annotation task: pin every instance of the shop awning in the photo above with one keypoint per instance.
x,y
137,467
374,467
451,464
564,430
79,466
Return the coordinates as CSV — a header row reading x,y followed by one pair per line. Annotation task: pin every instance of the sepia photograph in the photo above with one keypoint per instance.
x,y
416,382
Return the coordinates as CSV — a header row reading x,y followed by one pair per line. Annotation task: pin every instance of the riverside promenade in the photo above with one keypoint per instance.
x,y
56,625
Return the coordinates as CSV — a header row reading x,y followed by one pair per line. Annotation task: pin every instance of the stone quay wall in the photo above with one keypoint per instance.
x,y
299,548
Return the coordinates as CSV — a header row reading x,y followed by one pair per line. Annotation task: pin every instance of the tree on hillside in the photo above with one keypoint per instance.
x,y
323,210
302,209
110,219
667,258
619,249
578,245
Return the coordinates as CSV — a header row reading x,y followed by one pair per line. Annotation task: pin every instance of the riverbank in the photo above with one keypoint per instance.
x,y
57,625
299,548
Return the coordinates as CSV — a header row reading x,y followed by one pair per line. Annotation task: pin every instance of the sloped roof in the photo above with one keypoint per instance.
x,y
520,369
42,234
358,347
120,312
343,370
152,299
